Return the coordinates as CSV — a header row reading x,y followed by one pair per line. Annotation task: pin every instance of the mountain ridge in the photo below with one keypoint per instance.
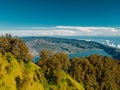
x,y
37,44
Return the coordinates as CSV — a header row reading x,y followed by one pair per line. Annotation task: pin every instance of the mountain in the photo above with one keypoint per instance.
x,y
70,46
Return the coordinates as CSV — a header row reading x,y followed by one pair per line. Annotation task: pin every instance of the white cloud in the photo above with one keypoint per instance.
x,y
87,29
64,31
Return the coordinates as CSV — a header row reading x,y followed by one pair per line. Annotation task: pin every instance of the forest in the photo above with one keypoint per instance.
x,y
54,70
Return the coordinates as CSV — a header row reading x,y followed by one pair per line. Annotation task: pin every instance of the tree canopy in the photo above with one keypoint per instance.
x,y
52,64
96,72
15,46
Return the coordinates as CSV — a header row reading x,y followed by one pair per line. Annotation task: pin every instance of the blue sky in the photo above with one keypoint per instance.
x,y
28,14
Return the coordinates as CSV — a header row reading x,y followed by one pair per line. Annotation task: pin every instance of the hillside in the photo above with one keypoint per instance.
x,y
16,75
18,72
37,44
94,72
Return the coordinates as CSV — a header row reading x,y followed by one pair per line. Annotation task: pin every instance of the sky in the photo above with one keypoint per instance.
x,y
60,17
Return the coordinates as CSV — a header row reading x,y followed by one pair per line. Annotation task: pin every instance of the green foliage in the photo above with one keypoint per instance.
x,y
16,75
66,83
15,46
52,64
55,71
55,67
96,72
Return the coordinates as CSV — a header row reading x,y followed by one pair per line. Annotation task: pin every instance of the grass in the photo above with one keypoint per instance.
x,y
10,68
16,75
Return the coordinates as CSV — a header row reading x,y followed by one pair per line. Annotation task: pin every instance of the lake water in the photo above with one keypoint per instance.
x,y
88,53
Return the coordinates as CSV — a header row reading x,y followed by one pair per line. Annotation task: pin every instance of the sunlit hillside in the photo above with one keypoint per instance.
x,y
16,75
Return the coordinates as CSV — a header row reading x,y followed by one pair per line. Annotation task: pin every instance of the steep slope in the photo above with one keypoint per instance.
x,y
67,83
16,75
19,76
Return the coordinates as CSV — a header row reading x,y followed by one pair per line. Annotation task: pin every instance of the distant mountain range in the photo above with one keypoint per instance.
x,y
70,46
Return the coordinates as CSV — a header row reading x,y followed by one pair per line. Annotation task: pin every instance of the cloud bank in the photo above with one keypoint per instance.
x,y
63,31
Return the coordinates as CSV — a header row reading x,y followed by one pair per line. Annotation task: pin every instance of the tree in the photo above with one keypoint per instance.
x,y
63,58
96,72
52,64
15,46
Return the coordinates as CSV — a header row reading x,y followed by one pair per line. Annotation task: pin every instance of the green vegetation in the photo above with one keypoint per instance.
x,y
96,72
17,72
55,66
15,46
16,75
54,71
